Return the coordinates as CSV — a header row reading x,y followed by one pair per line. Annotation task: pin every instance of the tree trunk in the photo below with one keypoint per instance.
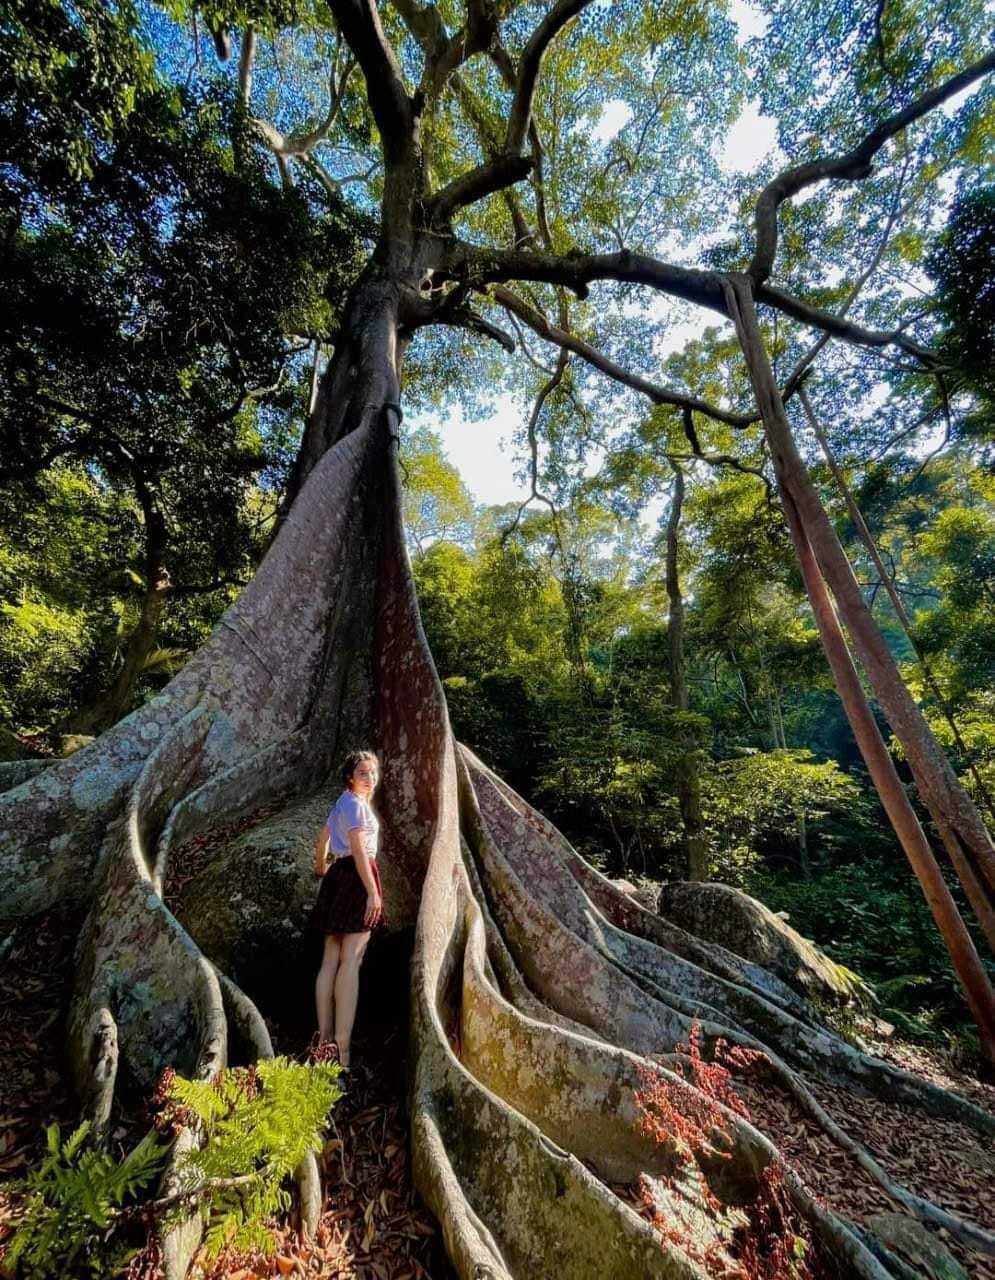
x,y
561,995
938,785
803,862
982,902
688,785
794,484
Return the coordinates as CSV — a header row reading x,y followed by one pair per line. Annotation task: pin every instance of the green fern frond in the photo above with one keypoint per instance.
x,y
164,661
201,1097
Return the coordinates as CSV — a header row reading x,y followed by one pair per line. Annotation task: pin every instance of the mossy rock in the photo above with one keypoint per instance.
x,y
250,910
70,743
719,913
646,893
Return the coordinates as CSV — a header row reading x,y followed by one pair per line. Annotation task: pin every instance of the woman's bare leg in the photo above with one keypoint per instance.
x,y
324,987
347,990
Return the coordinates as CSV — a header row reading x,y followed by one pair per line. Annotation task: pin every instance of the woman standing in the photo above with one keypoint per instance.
x,y
350,900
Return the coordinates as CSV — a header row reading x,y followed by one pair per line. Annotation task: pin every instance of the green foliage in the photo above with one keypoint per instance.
x,y
69,1204
961,264
151,271
63,538
870,915
437,505
757,799
258,1124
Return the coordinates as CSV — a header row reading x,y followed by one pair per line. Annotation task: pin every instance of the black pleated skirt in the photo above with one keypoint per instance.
x,y
341,903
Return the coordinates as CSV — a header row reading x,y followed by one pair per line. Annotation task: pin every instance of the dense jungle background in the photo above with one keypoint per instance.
x,y
725,276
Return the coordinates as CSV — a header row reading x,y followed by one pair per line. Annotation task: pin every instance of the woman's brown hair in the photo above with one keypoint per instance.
x,y
353,760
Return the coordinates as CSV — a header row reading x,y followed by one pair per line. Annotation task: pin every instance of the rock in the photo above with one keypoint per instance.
x,y
69,743
719,913
646,894
918,1244
257,927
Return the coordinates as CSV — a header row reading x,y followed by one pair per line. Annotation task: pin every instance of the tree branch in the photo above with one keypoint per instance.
x,y
392,109
511,166
854,166
528,70
246,59
659,395
545,391
468,188
896,212
837,326
577,270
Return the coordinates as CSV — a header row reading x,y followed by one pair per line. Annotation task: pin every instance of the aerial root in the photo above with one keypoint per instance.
x,y
103,1065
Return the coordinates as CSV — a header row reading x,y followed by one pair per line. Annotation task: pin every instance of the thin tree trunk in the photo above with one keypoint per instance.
x,y
938,785
688,784
980,900
792,478
803,861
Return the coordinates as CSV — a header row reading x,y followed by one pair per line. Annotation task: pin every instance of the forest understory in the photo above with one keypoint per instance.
x,y
373,1225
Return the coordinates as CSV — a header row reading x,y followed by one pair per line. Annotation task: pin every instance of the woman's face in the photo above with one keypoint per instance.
x,y
364,777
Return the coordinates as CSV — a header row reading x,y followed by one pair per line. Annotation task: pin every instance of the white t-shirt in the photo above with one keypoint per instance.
x,y
351,813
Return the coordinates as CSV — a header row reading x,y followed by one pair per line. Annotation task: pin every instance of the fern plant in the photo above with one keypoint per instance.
x,y
71,1201
258,1124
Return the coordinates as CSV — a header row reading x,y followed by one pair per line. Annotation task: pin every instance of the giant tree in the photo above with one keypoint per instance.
x,y
543,999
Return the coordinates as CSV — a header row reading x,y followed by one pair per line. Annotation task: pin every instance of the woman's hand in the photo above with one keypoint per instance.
x,y
374,908
321,852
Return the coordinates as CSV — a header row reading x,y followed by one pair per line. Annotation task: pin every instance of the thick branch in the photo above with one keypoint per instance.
x,y
359,22
468,188
302,144
445,53
837,326
578,270
854,166
246,59
528,71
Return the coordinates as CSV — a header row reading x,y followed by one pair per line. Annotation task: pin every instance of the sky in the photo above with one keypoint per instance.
x,y
481,450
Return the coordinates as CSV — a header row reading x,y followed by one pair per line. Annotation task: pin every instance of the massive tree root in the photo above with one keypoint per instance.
x,y
545,1003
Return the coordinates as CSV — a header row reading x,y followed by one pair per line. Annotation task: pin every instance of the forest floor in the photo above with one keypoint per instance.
x,y
373,1226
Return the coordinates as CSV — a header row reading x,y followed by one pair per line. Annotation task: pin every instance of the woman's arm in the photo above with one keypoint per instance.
x,y
362,861
321,851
